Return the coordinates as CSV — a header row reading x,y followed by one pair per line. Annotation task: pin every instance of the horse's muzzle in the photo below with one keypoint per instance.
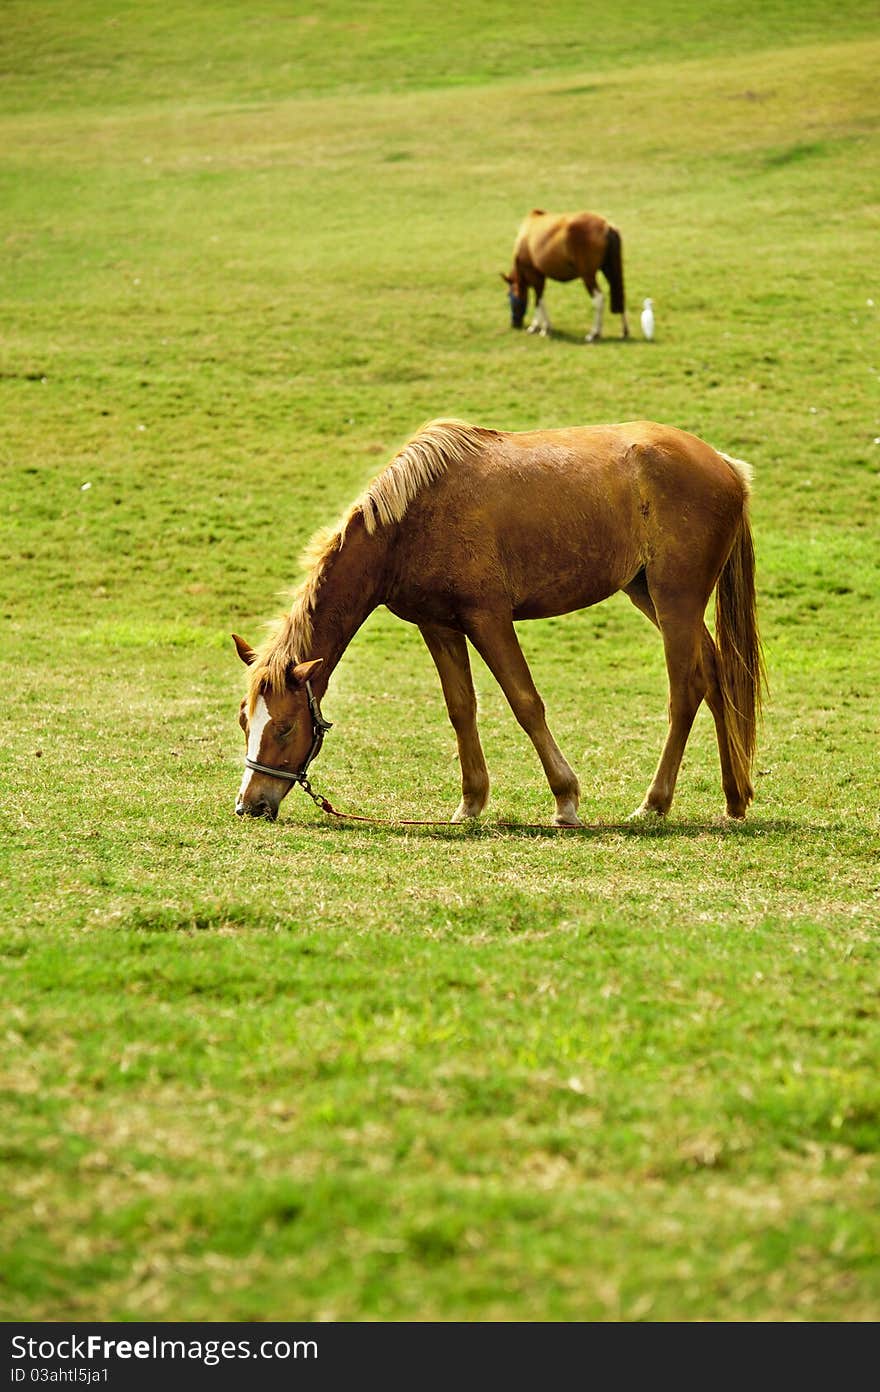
x,y
261,808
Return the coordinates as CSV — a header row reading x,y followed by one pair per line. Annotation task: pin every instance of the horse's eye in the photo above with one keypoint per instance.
x,y
284,731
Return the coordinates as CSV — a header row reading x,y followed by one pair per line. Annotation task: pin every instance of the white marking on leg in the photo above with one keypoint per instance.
x,y
469,808
567,813
256,725
540,322
598,308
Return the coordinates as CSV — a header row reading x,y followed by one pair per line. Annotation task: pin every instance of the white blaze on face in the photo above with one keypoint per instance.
x,y
256,725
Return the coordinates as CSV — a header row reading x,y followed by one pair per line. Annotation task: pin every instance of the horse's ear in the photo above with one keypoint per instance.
x,y
505,276
303,671
244,650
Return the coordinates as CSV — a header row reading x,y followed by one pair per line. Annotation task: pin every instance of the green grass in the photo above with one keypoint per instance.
x,y
330,1071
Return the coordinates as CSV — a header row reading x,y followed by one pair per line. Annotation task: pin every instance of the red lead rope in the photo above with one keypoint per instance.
x,y
327,806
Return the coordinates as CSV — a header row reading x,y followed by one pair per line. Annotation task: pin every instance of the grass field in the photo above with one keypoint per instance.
x,y
334,1072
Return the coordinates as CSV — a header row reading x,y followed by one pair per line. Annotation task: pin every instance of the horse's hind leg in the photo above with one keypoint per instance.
x,y
540,322
735,797
598,299
494,638
681,627
449,651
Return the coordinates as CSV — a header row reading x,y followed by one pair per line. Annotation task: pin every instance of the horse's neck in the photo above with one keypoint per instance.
x,y
350,589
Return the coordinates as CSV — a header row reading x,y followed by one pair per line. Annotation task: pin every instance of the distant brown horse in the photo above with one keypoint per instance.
x,y
467,530
565,246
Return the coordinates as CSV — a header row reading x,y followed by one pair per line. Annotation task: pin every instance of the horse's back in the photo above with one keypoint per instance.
x,y
616,468
562,246
584,471
557,520
601,446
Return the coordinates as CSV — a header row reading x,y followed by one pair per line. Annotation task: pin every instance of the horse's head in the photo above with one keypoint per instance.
x,y
518,301
281,732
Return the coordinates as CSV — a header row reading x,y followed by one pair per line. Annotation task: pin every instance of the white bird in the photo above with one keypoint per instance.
x,y
648,319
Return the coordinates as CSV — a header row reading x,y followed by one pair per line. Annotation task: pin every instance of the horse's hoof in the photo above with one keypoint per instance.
x,y
592,338
533,328
642,814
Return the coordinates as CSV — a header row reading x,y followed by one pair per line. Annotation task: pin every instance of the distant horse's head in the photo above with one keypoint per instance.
x,y
281,733
518,301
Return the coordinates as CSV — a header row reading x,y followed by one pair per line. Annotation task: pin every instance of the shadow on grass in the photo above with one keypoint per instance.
x,y
579,340
530,831
609,341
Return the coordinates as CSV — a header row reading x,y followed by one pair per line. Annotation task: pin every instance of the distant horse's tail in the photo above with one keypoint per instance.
x,y
741,670
612,269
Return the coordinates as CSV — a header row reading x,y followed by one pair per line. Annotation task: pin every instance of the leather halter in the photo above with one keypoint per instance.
x,y
319,728
518,305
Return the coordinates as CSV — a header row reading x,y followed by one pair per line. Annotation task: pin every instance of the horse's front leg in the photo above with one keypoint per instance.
x,y
681,626
541,322
494,638
449,651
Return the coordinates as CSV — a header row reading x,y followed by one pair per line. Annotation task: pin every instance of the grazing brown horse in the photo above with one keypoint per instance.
x,y
467,530
565,246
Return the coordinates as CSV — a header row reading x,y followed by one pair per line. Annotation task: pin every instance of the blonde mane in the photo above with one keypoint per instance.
x,y
383,502
422,460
